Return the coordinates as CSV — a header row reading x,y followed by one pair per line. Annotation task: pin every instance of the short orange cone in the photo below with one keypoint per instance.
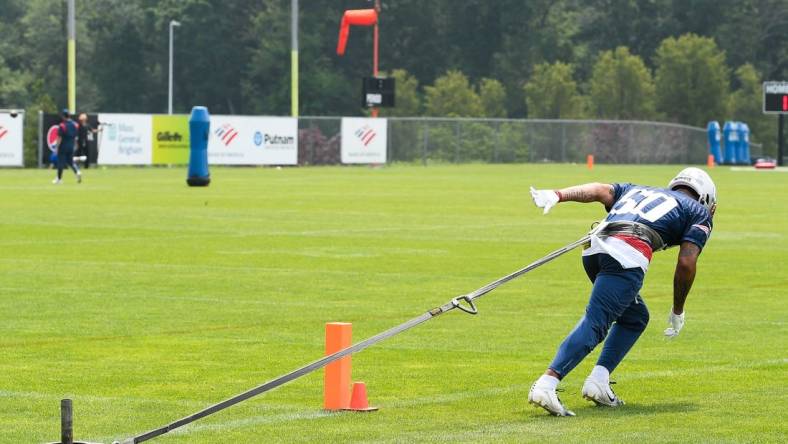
x,y
710,161
358,400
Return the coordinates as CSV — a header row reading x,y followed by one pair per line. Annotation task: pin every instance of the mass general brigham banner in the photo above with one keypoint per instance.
x,y
125,139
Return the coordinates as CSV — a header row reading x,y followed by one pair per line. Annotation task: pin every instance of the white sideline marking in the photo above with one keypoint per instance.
x,y
407,228
752,169
142,268
541,429
456,228
701,370
99,399
457,396
110,240
744,235
318,414
252,421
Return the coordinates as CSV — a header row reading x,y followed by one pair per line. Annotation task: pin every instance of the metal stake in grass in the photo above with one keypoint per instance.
x,y
67,423
464,303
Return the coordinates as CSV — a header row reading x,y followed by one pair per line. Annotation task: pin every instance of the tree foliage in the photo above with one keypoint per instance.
x,y
551,93
493,96
453,96
621,86
692,80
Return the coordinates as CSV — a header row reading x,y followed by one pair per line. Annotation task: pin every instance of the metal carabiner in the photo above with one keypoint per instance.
x,y
470,308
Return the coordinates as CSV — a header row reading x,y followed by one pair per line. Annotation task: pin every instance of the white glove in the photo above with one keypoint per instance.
x,y
544,199
676,323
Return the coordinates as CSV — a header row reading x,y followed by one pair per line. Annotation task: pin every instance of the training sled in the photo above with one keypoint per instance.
x,y
463,303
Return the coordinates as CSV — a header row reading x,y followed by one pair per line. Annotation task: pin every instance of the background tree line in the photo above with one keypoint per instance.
x,y
686,61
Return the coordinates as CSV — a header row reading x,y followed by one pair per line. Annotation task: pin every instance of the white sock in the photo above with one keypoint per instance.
x,y
547,382
600,373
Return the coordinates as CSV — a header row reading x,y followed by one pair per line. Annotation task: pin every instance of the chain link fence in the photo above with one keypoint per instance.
x,y
462,140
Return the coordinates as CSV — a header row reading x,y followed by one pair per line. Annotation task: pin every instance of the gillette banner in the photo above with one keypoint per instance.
x,y
11,132
170,139
247,140
125,139
363,140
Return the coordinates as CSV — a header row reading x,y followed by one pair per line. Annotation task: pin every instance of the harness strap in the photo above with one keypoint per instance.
x,y
636,229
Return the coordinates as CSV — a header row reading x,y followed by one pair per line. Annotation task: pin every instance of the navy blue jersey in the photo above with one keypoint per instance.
x,y
67,131
674,215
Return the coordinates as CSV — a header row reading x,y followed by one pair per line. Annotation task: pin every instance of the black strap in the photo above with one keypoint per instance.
x,y
632,228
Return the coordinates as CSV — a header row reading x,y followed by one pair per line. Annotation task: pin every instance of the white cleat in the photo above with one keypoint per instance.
x,y
57,181
600,393
548,399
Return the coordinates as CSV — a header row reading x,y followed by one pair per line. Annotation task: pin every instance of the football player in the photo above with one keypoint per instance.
x,y
641,220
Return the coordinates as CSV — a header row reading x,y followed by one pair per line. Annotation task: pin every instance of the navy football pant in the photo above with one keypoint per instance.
x,y
614,302
65,157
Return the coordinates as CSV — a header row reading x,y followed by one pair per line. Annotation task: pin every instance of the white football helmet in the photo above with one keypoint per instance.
x,y
698,181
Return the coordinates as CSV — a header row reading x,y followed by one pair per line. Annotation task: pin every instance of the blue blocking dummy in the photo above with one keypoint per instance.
x,y
713,132
744,144
199,130
730,137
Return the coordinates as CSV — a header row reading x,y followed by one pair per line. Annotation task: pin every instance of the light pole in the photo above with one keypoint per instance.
x,y
173,24
294,58
72,57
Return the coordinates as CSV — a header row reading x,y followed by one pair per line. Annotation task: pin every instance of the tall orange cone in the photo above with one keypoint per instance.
x,y
710,161
590,161
358,400
337,375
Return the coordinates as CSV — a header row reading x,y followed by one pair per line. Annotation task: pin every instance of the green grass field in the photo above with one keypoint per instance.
x,y
145,300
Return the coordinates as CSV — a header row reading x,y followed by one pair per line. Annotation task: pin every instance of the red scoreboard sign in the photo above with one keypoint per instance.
x,y
775,97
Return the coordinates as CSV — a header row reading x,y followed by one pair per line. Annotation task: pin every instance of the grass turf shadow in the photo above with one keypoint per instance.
x,y
625,410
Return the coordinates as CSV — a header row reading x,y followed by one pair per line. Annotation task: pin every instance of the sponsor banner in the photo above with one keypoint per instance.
x,y
124,139
51,122
171,139
11,136
246,140
363,140
52,135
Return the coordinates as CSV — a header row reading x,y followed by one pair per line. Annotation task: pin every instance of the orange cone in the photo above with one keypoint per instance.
x,y
710,161
590,161
337,374
358,400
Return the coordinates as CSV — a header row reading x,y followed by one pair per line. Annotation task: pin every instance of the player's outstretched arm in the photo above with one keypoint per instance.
x,y
589,192
682,282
